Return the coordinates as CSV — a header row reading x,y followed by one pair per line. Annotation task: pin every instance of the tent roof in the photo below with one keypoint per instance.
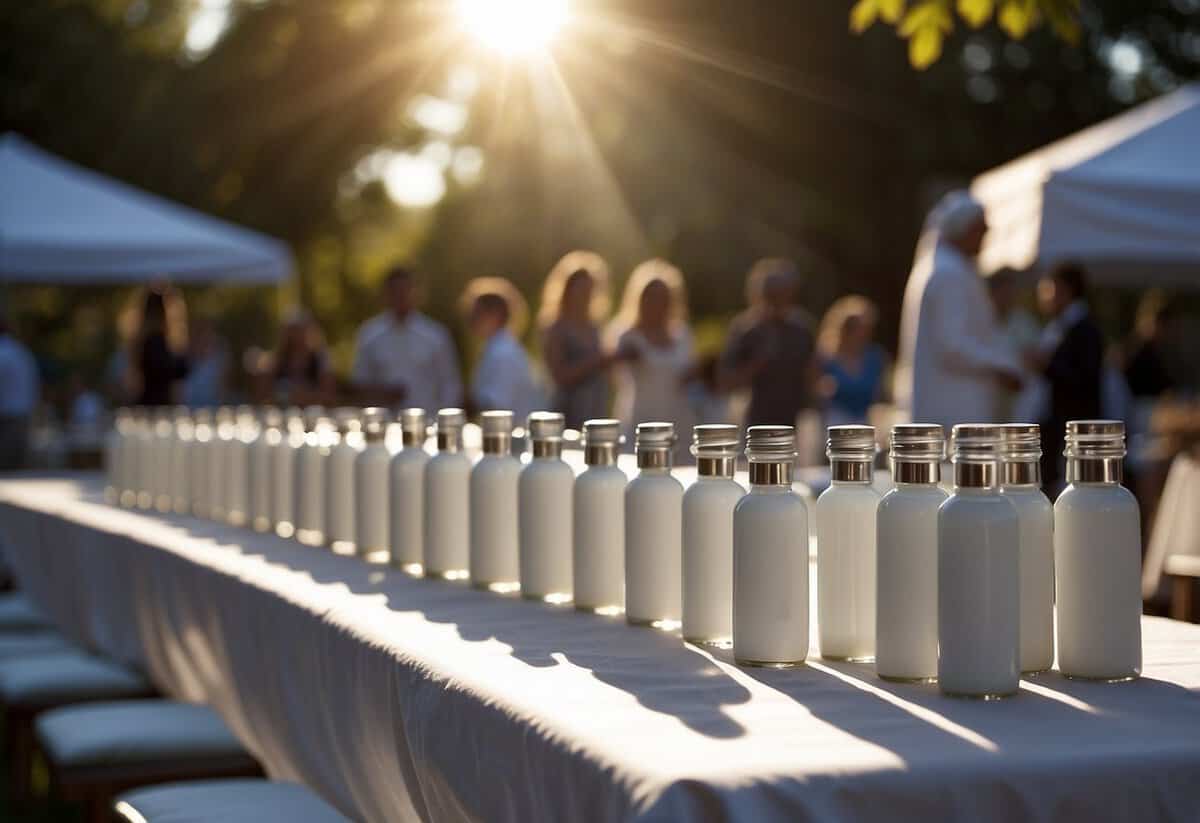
x,y
61,223
1122,196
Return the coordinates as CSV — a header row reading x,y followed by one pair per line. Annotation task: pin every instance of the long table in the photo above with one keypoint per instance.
x,y
405,699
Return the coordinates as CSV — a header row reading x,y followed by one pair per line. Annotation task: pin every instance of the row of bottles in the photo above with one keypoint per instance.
x,y
957,588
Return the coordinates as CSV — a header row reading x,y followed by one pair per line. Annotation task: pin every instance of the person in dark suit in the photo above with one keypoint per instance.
x,y
1070,355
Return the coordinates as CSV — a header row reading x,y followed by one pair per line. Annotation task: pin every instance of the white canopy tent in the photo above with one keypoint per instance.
x,y
64,224
1122,197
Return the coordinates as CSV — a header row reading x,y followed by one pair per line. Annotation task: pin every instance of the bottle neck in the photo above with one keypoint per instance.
x,y
715,466
546,448
850,471
917,473
412,439
771,474
654,459
1102,470
497,444
979,476
449,441
601,454
1021,473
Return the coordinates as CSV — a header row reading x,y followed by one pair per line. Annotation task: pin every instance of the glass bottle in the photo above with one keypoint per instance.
x,y
181,455
598,522
1021,483
708,506
145,458
406,490
200,457
371,491
237,466
218,463
979,583
770,556
544,493
262,473
309,484
845,515
906,557
283,472
339,490
114,454
163,446
1097,558
494,562
447,539
653,532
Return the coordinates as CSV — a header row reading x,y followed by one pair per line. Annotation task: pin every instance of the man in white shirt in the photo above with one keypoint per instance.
x,y
403,357
20,388
503,378
953,360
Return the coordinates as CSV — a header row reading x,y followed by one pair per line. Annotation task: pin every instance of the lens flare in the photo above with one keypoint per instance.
x,y
514,27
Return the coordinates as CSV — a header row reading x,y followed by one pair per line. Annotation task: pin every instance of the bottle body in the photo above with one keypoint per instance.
x,y
371,499
494,556
309,506
237,480
1035,525
199,457
544,515
598,567
262,473
906,583
1097,557
406,509
181,473
283,491
218,470
978,595
164,449
845,515
339,496
146,467
113,480
707,581
770,578
447,516
653,548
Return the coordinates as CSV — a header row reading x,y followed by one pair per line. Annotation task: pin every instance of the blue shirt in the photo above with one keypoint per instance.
x,y
855,392
19,377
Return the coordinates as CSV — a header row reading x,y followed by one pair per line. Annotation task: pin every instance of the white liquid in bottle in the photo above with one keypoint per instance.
x,y
1097,553
114,443
218,463
708,506
770,556
1020,482
845,515
145,459
371,491
283,471
181,471
407,492
544,492
237,481
309,508
200,456
447,535
262,471
654,532
598,567
495,544
906,557
340,492
979,589
164,447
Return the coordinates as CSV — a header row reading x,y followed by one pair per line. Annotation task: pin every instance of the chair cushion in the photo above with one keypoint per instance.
x,y
17,612
228,801
13,644
59,678
134,732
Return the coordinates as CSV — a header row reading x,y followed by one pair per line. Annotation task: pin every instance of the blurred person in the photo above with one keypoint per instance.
x,y
852,363
19,398
156,360
953,359
1144,353
496,313
770,348
1070,356
574,303
1020,328
298,372
654,346
403,356
208,359
86,407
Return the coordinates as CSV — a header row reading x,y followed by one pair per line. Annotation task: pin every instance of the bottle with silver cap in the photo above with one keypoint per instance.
x,y
371,485
145,457
906,557
309,483
979,583
1021,483
708,506
262,473
199,457
494,532
114,453
1097,558
406,488
218,462
598,559
181,449
447,538
283,472
544,493
654,532
164,440
845,515
237,465
339,489
770,556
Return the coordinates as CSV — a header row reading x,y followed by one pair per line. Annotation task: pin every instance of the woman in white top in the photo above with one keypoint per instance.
x,y
654,346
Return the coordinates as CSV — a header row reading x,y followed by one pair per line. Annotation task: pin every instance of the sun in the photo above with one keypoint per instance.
x,y
513,27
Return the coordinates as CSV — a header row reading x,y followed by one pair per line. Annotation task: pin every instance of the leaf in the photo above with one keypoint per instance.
x,y
928,14
890,10
975,12
925,47
863,15
1063,16
1016,17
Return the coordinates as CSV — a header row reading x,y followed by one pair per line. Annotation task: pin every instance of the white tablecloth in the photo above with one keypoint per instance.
x,y
400,699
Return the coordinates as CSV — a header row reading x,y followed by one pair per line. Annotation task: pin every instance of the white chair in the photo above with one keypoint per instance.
x,y
226,801
1174,547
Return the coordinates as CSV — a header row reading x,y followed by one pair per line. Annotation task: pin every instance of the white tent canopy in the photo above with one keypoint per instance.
x,y
1122,197
61,223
